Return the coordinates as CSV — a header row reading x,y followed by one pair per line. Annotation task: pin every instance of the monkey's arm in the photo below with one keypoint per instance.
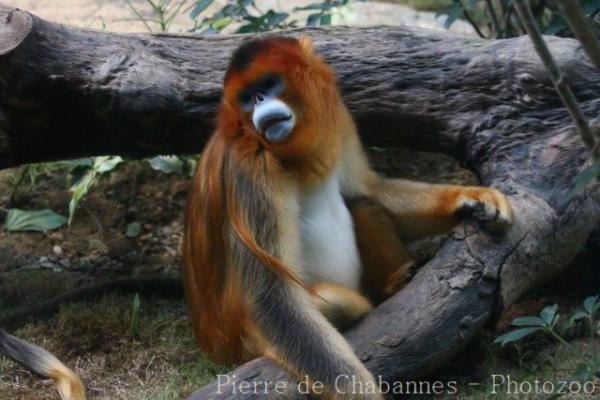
x,y
422,209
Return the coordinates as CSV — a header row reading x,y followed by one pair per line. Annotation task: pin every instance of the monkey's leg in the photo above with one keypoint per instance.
x,y
42,363
340,305
422,209
385,261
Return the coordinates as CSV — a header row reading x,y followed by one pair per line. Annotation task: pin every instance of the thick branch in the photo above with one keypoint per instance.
x,y
69,92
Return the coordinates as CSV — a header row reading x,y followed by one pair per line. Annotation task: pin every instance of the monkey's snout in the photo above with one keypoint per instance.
x,y
273,119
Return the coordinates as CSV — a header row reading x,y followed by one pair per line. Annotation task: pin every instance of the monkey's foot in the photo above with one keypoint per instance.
x,y
487,205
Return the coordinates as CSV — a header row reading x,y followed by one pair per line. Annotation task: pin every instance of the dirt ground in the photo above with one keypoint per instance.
x,y
118,355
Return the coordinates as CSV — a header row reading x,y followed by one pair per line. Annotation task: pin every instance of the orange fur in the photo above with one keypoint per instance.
x,y
311,92
210,293
213,294
384,259
343,307
310,155
247,195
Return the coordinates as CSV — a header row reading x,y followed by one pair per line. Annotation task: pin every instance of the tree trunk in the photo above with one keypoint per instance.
x,y
69,93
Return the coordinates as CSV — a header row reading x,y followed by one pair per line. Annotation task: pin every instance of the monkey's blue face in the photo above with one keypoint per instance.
x,y
271,117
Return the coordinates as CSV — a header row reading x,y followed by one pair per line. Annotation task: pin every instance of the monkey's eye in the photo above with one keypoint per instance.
x,y
271,84
245,100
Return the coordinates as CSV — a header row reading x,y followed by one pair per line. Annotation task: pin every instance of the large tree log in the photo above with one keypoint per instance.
x,y
69,92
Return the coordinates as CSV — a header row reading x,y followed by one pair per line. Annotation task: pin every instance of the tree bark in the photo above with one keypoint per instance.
x,y
69,93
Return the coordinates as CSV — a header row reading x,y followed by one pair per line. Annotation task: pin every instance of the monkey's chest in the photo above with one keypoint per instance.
x,y
329,252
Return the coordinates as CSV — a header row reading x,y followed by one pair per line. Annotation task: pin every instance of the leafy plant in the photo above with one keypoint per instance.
x,y
99,167
28,177
547,322
498,19
244,13
40,221
586,177
163,13
134,317
249,18
199,7
173,164
324,11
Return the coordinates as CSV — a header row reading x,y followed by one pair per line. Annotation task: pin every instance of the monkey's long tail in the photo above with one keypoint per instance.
x,y
44,364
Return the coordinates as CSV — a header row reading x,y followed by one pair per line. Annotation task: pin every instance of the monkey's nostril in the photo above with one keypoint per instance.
x,y
258,98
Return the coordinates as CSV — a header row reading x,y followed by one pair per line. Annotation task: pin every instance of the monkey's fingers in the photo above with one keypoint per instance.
x,y
487,205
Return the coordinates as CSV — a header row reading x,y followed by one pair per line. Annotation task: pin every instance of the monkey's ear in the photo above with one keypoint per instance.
x,y
306,44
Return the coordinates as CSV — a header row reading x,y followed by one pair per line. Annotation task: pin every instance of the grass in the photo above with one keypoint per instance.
x,y
157,360
543,361
16,291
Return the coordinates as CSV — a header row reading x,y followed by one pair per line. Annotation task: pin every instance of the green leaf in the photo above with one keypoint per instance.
x,y
591,304
556,25
313,6
275,18
516,335
133,230
584,178
582,373
106,163
313,19
79,190
578,316
548,314
248,28
591,7
471,4
190,166
221,23
167,164
200,6
325,19
528,321
452,13
80,162
78,168
101,165
41,221
135,315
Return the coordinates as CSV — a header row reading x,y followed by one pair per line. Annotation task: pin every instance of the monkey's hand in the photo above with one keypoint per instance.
x,y
487,205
